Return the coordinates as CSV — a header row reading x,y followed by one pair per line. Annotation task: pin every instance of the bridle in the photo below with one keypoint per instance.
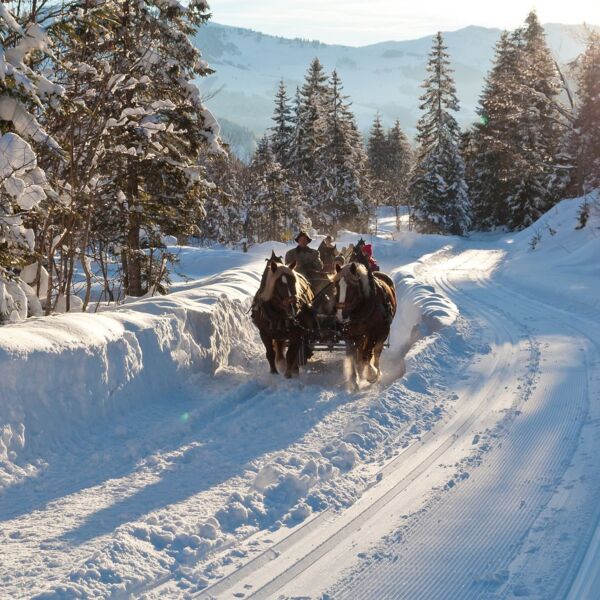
x,y
345,306
288,302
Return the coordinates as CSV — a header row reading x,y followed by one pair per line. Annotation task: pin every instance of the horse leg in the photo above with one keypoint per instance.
x,y
279,354
350,366
376,356
268,342
372,372
292,358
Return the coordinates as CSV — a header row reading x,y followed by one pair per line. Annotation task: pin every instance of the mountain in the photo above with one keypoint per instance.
x,y
382,77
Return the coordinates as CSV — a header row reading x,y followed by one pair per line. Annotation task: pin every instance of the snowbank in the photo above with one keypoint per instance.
x,y
556,259
422,309
61,373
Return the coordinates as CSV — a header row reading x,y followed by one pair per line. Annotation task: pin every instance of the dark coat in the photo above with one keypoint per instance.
x,y
328,255
307,261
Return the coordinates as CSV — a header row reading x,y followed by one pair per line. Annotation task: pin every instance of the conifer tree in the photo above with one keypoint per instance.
x,y
283,128
519,165
587,118
377,152
273,205
495,138
342,204
158,128
438,184
223,221
540,128
398,169
309,138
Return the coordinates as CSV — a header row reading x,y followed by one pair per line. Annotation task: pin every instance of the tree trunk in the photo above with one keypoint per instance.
x,y
134,263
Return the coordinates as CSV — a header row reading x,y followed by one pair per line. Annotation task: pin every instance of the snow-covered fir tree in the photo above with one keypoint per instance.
x,y
377,152
282,132
342,201
495,138
440,193
309,136
519,168
24,92
399,165
587,118
273,205
390,162
224,216
540,128
158,127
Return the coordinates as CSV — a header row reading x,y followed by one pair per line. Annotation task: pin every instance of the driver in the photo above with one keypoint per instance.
x,y
307,259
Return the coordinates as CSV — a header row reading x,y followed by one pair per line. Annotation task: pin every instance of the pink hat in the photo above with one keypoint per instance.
x,y
368,249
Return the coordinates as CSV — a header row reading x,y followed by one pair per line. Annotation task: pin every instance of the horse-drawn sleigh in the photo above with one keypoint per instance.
x,y
351,310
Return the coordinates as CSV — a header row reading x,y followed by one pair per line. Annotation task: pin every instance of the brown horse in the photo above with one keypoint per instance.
x,y
281,311
366,306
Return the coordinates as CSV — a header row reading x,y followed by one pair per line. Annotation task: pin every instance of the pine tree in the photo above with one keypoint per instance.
x,y
377,152
495,138
283,129
540,128
340,184
587,118
157,129
273,205
520,167
438,184
309,138
399,165
224,214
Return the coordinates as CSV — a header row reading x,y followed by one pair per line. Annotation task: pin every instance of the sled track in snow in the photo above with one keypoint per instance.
x,y
285,569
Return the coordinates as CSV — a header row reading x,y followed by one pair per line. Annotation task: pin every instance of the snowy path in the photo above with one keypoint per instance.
x,y
489,505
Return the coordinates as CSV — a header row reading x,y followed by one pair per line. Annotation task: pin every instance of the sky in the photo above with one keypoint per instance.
x,y
355,23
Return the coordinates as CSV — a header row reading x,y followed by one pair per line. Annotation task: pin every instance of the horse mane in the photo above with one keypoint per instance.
x,y
303,289
361,277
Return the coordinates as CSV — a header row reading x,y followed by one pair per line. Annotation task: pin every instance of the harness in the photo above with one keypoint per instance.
x,y
359,318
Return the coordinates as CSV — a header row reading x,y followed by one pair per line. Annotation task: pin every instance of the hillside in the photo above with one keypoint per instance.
x,y
383,77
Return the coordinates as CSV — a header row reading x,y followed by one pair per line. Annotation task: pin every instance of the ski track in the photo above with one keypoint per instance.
x,y
465,545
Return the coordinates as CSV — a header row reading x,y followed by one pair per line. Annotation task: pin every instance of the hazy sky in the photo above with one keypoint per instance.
x,y
357,23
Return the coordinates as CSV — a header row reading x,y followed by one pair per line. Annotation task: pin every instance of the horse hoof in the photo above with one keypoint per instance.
x,y
288,375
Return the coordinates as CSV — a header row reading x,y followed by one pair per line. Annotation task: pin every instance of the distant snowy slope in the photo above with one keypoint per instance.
x,y
383,77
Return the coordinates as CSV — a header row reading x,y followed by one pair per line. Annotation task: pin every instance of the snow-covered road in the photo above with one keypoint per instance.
x,y
469,471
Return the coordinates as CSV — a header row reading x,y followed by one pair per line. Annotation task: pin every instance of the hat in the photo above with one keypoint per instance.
x,y
367,249
328,238
303,233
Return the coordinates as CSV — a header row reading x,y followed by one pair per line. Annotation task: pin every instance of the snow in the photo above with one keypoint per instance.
x,y
146,451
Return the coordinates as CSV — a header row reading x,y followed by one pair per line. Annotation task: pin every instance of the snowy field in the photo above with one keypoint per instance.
x,y
146,452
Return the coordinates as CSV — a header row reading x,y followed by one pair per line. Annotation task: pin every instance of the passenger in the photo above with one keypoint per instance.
x,y
328,252
367,250
363,254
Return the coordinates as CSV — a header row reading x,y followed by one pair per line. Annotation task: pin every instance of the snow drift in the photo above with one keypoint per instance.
x,y
59,373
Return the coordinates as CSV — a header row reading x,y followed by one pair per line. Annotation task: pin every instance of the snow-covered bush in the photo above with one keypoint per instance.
x,y
22,182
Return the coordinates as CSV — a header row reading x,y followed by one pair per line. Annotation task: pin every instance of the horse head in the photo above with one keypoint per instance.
x,y
285,288
353,288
